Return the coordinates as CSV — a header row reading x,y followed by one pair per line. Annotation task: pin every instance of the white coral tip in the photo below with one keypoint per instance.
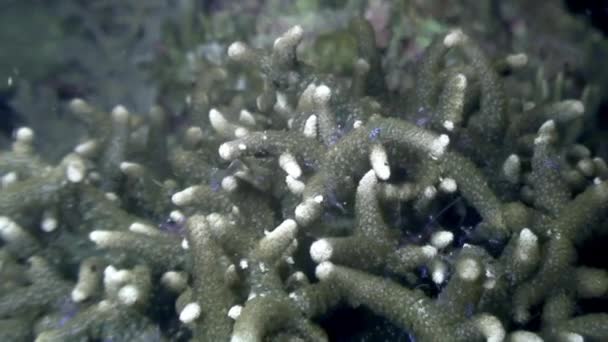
x,y
448,125
49,224
24,135
310,127
491,328
227,151
517,60
442,239
296,31
295,186
289,164
324,270
439,145
524,336
75,171
322,94
128,294
454,38
183,197
379,160
237,50
229,183
320,251
461,81
190,313
235,311
448,185
78,105
87,148
78,295
307,211
468,269
142,228
100,237
131,169
120,114
429,251
571,337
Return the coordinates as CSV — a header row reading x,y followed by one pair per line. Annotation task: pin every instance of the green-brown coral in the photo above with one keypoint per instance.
x,y
311,171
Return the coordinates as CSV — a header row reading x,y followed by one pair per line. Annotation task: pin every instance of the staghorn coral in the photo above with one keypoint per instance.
x,y
311,163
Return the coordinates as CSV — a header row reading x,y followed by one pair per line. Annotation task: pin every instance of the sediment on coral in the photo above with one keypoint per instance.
x,y
457,215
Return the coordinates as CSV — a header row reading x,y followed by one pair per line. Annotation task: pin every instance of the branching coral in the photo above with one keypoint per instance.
x,y
366,178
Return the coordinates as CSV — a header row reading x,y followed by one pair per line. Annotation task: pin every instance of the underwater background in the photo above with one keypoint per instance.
x,y
306,170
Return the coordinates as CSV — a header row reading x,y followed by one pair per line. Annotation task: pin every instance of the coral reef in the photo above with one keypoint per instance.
x,y
455,214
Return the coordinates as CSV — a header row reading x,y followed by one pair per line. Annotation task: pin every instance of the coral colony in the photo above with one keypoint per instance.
x,y
458,217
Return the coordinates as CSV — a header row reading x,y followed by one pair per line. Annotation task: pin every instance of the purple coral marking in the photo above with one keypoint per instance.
x,y
333,138
469,310
309,164
260,179
422,122
215,180
552,164
173,227
215,184
374,133
336,135
423,117
333,201
217,174
424,272
68,310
